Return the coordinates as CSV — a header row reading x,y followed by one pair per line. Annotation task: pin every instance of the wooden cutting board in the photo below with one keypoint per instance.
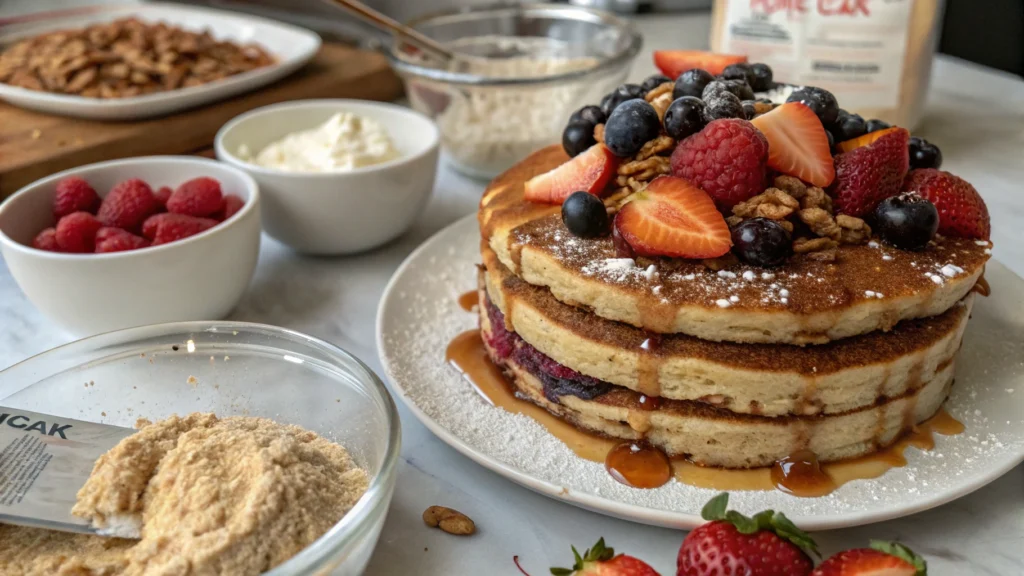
x,y
34,145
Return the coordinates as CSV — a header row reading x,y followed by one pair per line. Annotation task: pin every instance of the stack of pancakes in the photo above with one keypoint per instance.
x,y
728,364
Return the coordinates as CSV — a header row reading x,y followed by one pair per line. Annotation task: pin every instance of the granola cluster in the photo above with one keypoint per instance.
x,y
805,212
124,58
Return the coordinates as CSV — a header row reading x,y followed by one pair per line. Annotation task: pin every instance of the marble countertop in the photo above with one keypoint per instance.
x,y
977,117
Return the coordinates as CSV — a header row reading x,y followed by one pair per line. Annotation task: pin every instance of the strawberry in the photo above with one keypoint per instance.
x,y
602,561
672,217
74,195
962,212
797,143
732,544
229,207
118,240
127,205
198,197
728,159
672,63
882,559
861,141
76,232
589,171
169,227
869,174
46,240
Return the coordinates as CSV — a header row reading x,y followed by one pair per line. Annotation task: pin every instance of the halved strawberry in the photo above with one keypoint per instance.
x,y
882,559
861,141
672,63
867,175
590,171
797,143
962,212
672,217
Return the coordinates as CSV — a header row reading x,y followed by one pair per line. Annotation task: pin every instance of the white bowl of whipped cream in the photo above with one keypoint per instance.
x,y
336,176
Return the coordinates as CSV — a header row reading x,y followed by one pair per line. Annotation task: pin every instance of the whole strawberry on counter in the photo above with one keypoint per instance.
x,y
881,559
732,544
602,561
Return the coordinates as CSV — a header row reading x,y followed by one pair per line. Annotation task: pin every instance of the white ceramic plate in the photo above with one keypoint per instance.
x,y
291,45
419,314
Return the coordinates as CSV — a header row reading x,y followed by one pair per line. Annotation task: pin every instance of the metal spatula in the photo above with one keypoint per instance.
x,y
44,461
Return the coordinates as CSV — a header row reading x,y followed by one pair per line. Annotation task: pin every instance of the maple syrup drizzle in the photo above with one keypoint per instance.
x,y
797,474
469,300
982,287
648,366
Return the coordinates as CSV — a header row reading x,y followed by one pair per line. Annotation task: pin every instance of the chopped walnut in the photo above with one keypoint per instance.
x,y
854,230
773,203
806,245
657,146
599,133
733,221
629,182
645,170
828,255
661,104
659,90
790,185
817,198
614,201
763,107
820,222
722,262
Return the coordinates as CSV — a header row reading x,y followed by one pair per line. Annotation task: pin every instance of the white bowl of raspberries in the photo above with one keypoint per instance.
x,y
132,242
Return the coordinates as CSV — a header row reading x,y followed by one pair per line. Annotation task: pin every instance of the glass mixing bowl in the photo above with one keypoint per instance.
x,y
521,71
231,368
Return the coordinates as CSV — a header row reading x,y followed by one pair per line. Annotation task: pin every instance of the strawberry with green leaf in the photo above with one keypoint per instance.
x,y
881,559
602,561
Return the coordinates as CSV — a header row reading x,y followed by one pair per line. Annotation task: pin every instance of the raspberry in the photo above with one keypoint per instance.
x,y
76,232
197,197
118,240
164,228
727,159
161,195
229,207
46,240
74,195
128,205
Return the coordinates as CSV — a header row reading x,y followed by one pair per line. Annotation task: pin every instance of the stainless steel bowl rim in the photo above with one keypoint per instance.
x,y
561,10
319,554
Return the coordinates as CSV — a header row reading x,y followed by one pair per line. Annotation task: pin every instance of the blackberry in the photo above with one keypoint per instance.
x,y
874,125
906,221
630,126
585,215
591,114
739,71
924,154
819,100
692,83
653,82
761,242
723,105
684,116
761,77
577,137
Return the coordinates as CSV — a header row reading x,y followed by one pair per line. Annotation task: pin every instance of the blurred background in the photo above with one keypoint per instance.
x,y
987,32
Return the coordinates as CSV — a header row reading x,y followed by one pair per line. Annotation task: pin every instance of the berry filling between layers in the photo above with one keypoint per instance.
x,y
557,379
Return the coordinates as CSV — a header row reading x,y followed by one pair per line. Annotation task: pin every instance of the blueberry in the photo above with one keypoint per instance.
x,y
761,77
577,137
831,140
819,100
691,83
924,154
734,87
874,125
848,126
685,116
741,89
723,105
740,71
653,82
906,221
761,242
630,126
606,104
591,114
585,215
749,109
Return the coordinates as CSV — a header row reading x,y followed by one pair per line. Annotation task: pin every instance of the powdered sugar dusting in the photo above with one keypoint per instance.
x,y
420,315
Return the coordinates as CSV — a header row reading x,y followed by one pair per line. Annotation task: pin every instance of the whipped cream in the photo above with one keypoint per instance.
x,y
345,142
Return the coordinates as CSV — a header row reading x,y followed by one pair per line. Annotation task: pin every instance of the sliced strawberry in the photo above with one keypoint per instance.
x,y
797,143
962,212
672,63
882,559
672,217
602,561
861,141
590,171
867,175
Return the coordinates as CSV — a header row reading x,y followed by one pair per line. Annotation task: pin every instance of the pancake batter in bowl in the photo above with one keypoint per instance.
x,y
236,495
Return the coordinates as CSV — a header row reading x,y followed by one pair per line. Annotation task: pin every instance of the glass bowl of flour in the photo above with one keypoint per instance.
x,y
520,72
232,369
